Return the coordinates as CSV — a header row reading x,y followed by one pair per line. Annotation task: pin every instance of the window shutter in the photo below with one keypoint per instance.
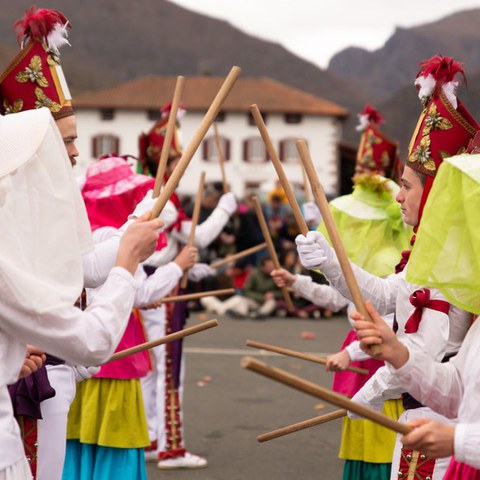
x,y
281,150
205,150
227,150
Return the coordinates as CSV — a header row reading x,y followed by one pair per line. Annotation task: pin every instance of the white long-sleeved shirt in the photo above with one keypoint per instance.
x,y
438,334
205,233
87,338
150,289
324,296
451,389
328,297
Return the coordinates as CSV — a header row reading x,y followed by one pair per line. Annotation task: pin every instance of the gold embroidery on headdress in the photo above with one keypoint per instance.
x,y
33,73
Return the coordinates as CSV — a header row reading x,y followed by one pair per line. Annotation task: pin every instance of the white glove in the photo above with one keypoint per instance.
x,y
228,202
312,213
145,205
84,373
359,397
314,251
199,271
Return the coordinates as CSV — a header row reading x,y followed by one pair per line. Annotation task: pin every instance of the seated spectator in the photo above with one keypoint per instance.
x,y
259,298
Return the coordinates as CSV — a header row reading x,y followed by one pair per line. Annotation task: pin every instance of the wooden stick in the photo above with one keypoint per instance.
x,y
236,256
162,340
296,427
271,249
190,296
195,215
221,158
306,186
304,356
321,200
172,120
195,142
323,393
297,213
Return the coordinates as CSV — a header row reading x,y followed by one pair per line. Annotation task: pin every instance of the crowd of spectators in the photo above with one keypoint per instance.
x,y
256,295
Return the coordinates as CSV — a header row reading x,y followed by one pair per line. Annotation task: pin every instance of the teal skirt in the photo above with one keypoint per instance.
x,y
355,470
85,461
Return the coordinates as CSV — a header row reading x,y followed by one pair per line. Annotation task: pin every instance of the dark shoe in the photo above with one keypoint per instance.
x,y
254,315
235,315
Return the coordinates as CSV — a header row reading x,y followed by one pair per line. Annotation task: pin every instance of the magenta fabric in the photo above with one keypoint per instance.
x,y
349,383
112,191
133,366
461,471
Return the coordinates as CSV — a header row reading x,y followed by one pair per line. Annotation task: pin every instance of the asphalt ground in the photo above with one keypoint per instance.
x,y
226,406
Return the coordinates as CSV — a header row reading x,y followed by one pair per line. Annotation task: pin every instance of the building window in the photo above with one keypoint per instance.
x,y
105,145
251,120
288,150
220,117
252,188
107,113
293,118
254,150
209,149
154,115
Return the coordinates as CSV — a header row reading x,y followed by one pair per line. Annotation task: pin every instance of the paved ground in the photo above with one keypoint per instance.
x,y
224,416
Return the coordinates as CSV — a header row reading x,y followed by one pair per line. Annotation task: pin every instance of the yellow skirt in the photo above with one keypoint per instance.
x,y
108,412
365,441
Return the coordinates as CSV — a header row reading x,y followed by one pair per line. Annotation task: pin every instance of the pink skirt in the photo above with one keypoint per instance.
x,y
461,471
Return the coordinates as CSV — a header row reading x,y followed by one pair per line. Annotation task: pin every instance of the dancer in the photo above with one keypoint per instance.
x,y
422,316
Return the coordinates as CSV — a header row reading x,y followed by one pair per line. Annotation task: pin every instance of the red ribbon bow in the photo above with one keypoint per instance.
x,y
420,299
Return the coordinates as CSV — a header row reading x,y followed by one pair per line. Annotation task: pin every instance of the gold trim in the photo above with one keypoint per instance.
x,y
412,468
415,132
17,60
58,86
361,147
456,115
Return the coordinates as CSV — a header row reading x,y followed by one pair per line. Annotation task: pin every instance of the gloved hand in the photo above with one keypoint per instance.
x,y
199,271
145,205
311,213
228,202
83,373
314,251
359,397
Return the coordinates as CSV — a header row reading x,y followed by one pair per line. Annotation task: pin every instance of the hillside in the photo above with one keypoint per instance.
x,y
385,71
118,40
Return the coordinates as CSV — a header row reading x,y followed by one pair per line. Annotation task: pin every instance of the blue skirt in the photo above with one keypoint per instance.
x,y
85,461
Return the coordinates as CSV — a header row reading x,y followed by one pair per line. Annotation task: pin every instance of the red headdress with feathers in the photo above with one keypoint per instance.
x,y
151,143
376,153
445,126
34,78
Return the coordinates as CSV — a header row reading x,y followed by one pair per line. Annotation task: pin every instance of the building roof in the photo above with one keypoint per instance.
x,y
152,92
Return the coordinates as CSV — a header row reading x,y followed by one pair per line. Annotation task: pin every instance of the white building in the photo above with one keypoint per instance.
x,y
110,120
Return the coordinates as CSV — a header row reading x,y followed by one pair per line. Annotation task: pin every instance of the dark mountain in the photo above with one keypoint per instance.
x,y
118,40
385,71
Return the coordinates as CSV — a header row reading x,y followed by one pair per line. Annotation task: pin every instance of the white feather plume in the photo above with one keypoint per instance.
x,y
58,36
363,122
426,84
450,90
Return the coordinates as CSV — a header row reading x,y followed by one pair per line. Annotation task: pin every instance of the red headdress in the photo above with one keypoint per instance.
x,y
445,126
376,152
151,143
34,78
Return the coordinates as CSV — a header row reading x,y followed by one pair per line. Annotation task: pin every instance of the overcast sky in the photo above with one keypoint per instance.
x,y
317,29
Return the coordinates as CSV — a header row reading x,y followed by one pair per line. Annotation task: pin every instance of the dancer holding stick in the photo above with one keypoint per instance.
x,y
423,315
161,388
